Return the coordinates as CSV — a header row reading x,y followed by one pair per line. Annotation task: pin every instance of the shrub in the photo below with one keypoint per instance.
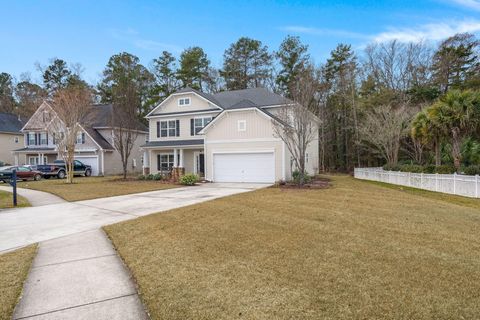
x,y
189,179
445,169
157,177
414,168
141,177
429,169
296,175
149,177
471,170
389,167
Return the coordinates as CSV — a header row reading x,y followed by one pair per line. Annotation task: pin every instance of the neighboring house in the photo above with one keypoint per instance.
x,y
95,144
224,137
10,136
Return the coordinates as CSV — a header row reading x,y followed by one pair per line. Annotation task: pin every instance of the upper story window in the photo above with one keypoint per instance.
x,y
15,139
43,138
198,124
242,125
80,138
184,102
32,138
168,128
46,116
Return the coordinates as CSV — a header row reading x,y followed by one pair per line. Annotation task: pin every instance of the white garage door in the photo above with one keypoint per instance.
x,y
244,167
91,161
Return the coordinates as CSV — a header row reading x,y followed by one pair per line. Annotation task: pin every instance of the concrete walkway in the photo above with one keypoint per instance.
x,y
23,226
79,277
36,198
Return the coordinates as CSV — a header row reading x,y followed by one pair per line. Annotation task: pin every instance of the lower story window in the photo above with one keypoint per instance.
x,y
165,162
36,160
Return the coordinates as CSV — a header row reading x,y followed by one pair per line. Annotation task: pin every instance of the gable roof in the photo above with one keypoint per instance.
x,y
11,123
259,97
234,99
103,115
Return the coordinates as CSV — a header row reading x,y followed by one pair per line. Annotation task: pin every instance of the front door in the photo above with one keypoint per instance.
x,y
200,164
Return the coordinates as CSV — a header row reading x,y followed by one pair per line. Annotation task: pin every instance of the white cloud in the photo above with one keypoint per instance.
x,y
133,37
431,31
472,4
323,32
428,32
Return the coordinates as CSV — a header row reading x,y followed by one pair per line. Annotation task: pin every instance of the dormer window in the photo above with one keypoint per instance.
x,y
184,102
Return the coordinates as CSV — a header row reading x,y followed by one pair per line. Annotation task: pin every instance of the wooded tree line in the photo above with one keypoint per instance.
x,y
375,105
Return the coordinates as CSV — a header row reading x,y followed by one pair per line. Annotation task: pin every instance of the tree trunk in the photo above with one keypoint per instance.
x,y
438,158
456,148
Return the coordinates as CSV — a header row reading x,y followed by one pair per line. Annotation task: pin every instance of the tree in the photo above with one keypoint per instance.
x,y
297,126
382,130
293,58
246,64
29,97
425,131
72,108
165,73
457,114
126,85
456,62
7,101
125,79
56,76
194,68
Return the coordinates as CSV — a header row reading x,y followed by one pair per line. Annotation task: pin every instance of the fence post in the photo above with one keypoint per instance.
x,y
476,186
436,182
454,183
409,179
421,180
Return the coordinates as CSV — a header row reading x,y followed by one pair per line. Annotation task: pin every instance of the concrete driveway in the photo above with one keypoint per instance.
x,y
23,226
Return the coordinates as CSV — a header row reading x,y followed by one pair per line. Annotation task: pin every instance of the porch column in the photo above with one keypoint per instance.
x,y
16,159
175,158
181,158
146,161
39,158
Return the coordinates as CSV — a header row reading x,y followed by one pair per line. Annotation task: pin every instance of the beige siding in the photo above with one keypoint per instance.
x,y
258,126
113,160
196,103
188,159
8,144
184,126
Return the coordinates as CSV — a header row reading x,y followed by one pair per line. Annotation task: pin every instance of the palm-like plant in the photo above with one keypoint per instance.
x,y
425,130
456,114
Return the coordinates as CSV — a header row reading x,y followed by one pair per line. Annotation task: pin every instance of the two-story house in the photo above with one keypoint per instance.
x,y
94,146
224,137
10,136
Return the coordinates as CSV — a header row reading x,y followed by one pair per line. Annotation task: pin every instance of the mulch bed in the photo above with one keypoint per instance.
x,y
315,183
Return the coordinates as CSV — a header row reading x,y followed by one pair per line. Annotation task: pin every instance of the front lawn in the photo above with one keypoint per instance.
x,y
14,267
356,250
6,200
85,188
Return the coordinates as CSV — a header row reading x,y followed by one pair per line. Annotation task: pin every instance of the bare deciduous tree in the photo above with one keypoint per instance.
x,y
72,107
125,133
383,128
297,126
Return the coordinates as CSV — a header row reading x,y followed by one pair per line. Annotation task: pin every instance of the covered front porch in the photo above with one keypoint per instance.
x,y
165,160
34,156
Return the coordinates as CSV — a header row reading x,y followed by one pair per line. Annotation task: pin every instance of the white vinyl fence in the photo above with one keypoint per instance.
x,y
458,184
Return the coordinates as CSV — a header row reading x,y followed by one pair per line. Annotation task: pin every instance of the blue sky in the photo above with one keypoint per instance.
x,y
89,32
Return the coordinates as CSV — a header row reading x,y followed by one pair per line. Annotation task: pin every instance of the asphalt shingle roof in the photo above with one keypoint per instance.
x,y
10,123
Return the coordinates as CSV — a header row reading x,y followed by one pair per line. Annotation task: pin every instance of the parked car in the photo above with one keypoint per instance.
x,y
57,169
23,173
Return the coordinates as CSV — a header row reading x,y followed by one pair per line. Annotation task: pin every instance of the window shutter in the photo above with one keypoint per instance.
x,y
28,139
83,137
53,138
36,138
177,125
192,127
47,137
158,129
158,160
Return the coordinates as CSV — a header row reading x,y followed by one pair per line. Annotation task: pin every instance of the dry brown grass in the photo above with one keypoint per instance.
x,y
7,202
353,251
14,267
85,188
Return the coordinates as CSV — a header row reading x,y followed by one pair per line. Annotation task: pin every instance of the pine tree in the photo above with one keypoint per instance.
x,y
194,68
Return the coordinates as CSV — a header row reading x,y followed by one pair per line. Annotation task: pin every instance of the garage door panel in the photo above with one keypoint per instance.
x,y
244,167
91,161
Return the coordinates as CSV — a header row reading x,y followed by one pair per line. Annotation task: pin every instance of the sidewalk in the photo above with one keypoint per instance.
x,y
36,198
79,277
